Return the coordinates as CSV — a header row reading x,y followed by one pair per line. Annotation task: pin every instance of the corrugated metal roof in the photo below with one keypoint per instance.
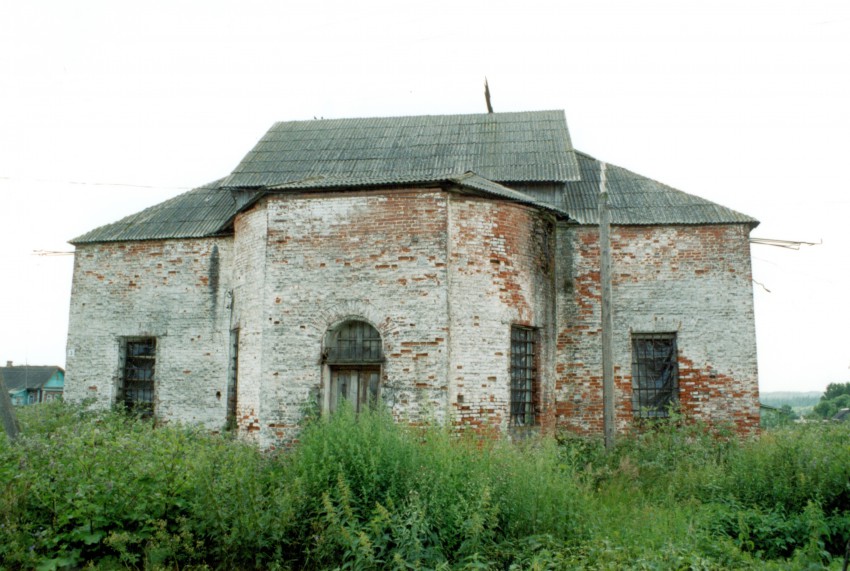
x,y
529,152
634,199
502,147
204,211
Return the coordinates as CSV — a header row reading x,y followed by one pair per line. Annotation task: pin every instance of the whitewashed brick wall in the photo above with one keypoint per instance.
x,y
442,276
173,290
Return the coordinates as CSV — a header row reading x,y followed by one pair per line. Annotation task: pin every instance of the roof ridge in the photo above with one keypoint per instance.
x,y
420,116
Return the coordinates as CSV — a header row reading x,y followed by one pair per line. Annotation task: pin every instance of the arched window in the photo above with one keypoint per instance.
x,y
354,355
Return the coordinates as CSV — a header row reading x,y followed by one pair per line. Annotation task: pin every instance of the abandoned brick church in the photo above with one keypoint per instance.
x,y
446,266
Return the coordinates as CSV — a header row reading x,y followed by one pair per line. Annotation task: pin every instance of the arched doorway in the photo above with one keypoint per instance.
x,y
354,355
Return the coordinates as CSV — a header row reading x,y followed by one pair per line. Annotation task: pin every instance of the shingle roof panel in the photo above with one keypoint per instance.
x,y
204,211
526,157
523,146
637,200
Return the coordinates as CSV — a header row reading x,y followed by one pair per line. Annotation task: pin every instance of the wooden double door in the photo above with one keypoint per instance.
x,y
359,385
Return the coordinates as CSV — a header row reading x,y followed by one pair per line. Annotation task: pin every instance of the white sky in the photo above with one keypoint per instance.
x,y
109,107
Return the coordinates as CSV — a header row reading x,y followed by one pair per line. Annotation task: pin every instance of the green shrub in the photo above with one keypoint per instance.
x,y
241,506
83,480
788,468
538,492
374,491
362,492
761,494
835,398
105,486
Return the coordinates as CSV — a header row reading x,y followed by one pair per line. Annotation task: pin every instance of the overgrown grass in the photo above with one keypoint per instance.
x,y
379,494
784,497
360,492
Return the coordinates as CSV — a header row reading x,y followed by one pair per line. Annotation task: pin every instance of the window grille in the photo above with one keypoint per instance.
x,y
655,374
355,342
139,362
523,376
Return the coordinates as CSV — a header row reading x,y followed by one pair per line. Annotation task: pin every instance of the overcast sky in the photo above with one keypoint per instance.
x,y
109,107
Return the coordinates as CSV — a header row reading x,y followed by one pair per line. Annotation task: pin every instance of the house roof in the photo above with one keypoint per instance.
x,y
525,157
842,415
209,210
634,199
202,212
502,147
20,377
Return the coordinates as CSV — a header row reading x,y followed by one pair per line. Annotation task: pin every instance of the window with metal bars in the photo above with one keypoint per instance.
x,y
138,376
655,374
524,386
355,342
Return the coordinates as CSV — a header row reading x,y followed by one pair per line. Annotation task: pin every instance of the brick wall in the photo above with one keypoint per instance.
x,y
691,280
172,290
249,278
502,274
441,276
372,256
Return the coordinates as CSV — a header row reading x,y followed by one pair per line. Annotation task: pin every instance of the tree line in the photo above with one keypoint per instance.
x,y
835,398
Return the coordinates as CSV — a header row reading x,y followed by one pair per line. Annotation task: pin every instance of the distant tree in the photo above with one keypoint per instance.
x,y
827,407
799,401
786,410
834,390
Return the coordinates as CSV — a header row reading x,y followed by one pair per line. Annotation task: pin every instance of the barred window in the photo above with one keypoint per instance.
x,y
138,375
655,374
523,376
355,342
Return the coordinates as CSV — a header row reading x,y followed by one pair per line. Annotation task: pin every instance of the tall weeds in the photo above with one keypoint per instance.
x,y
362,492
424,493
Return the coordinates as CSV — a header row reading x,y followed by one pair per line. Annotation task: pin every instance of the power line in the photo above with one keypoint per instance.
x,y
52,253
90,183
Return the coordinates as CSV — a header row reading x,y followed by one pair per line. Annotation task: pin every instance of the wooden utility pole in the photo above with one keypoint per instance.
x,y
607,314
7,413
